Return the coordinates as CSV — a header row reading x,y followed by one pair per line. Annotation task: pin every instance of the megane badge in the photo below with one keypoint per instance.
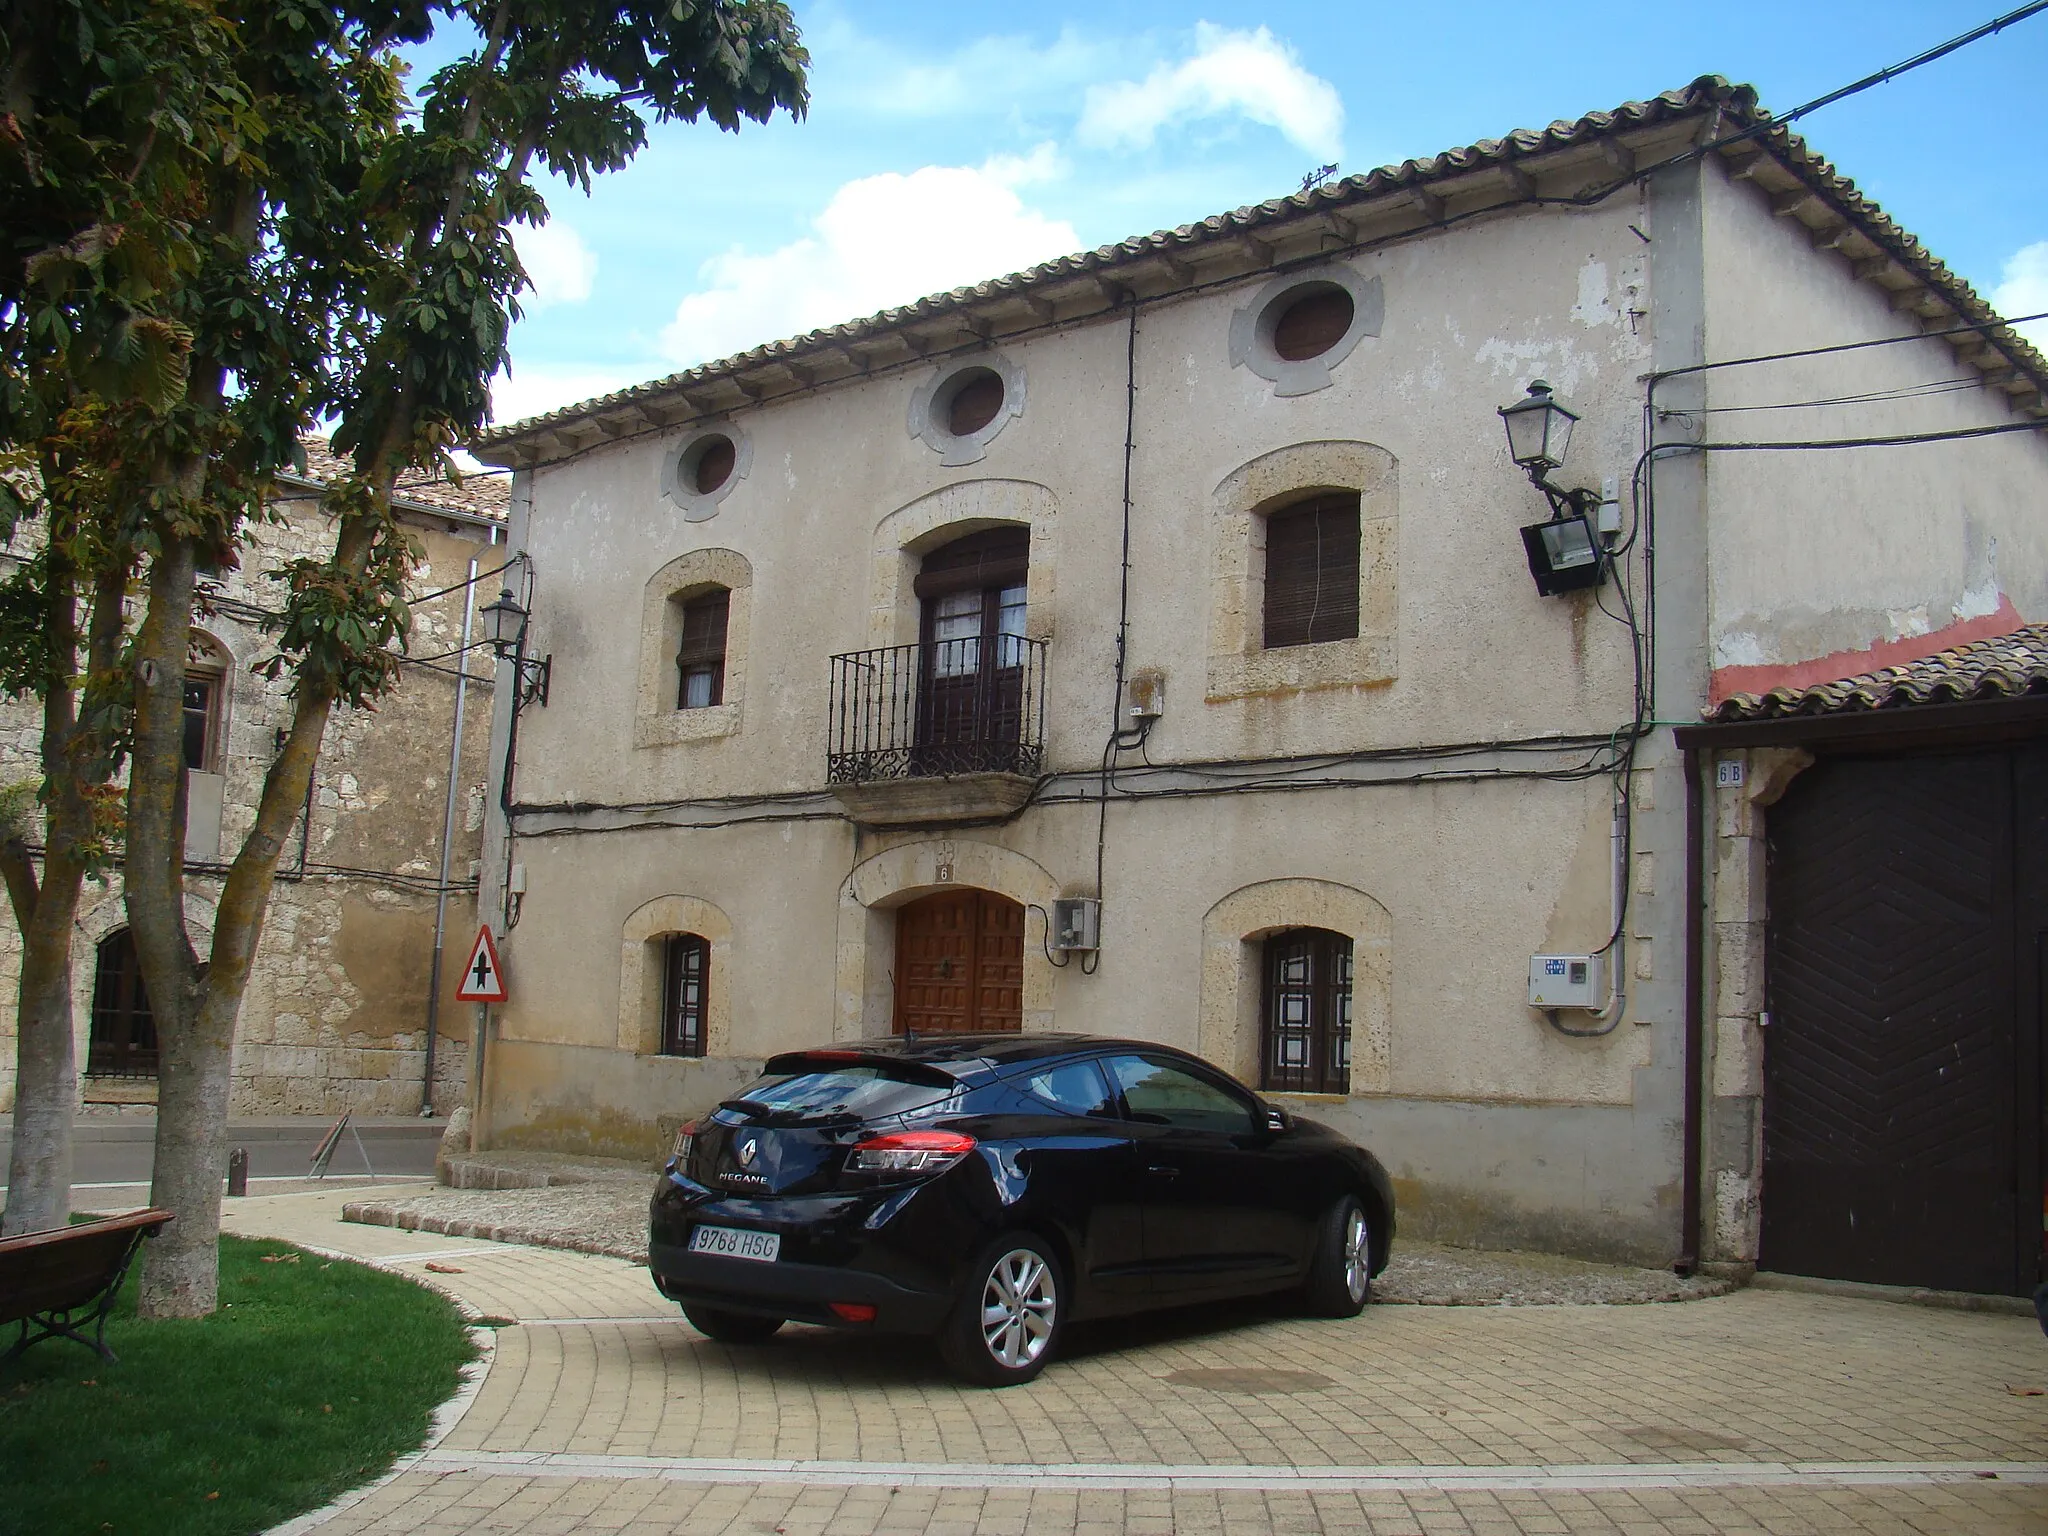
x,y
747,1150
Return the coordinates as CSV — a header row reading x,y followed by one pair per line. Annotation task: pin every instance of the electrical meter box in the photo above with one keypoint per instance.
x,y
1076,923
1565,981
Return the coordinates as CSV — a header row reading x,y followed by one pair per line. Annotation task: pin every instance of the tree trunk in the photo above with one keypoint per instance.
x,y
46,1071
46,1063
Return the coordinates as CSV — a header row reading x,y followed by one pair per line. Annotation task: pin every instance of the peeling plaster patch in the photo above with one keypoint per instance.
x,y
1740,649
1908,623
1981,598
1594,306
1567,371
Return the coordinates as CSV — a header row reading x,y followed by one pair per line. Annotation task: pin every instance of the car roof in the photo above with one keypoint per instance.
x,y
959,1054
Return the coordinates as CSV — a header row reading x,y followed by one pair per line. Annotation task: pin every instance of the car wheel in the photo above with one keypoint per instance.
x,y
1340,1275
1008,1318
732,1327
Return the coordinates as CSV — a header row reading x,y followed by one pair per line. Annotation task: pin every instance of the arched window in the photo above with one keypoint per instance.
x,y
685,991
1305,1034
206,682
123,1029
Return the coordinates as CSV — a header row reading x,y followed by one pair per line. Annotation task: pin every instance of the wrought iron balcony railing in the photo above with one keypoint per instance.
x,y
937,709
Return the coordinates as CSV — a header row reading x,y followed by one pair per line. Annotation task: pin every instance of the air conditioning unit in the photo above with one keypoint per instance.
x,y
1076,923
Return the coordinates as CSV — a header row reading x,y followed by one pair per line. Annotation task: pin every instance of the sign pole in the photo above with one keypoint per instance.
x,y
483,983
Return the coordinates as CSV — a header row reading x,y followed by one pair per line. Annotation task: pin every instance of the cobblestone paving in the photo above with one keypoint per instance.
x,y
1759,1411
606,1212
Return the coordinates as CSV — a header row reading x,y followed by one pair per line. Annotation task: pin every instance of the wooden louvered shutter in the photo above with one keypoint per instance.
x,y
700,661
1312,572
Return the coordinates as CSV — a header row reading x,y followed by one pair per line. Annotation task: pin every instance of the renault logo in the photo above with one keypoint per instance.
x,y
748,1148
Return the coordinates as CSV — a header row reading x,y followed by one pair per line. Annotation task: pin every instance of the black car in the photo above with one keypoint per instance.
x,y
991,1188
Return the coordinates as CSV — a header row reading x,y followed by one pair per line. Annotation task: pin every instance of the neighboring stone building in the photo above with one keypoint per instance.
x,y
336,1010
1193,575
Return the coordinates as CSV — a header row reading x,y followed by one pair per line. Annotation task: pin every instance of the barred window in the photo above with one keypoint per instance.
x,y
1306,1044
685,979
1312,571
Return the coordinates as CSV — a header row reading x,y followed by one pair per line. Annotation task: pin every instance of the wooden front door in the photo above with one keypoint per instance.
x,y
960,964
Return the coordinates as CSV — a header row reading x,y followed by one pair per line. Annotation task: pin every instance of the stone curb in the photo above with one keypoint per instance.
x,y
371,1213
1905,1295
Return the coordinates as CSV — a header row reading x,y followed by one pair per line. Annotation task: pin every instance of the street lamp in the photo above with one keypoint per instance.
x,y
504,624
1565,553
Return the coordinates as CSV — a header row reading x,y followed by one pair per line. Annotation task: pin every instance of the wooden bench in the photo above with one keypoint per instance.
x,y
63,1281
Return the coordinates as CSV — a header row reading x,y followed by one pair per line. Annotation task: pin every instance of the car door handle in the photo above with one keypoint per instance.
x,y
1164,1173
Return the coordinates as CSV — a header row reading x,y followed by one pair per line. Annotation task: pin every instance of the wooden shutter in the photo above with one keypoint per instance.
x,y
703,647
1313,324
1312,572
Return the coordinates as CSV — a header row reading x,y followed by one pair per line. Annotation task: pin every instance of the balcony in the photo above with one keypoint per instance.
x,y
948,730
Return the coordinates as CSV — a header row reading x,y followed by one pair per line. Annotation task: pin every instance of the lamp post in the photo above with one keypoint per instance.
x,y
1565,553
505,627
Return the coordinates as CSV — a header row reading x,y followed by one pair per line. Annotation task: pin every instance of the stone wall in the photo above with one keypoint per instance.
x,y
336,1010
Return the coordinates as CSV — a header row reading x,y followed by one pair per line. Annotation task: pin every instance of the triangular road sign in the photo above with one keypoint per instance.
x,y
483,979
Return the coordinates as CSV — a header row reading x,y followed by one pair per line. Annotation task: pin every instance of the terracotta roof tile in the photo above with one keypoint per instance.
x,y
1708,94
484,495
2007,666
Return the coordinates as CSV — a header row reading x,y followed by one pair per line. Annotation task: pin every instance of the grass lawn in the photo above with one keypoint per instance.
x,y
310,1379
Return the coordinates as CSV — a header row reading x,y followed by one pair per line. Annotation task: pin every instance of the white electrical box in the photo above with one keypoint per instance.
x,y
1076,923
1146,695
1565,981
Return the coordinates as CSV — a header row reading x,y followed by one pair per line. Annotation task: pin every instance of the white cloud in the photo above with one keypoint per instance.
x,y
534,389
561,267
881,241
1251,73
986,76
2023,290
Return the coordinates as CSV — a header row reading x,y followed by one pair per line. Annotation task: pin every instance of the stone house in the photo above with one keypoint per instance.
x,y
336,1012
1168,642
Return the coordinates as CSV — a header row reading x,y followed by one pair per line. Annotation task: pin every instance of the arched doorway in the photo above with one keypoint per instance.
x,y
972,653
960,964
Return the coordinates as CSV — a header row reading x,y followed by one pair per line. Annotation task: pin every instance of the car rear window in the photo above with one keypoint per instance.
x,y
870,1092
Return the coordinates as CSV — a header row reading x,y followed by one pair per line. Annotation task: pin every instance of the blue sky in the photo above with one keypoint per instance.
x,y
949,143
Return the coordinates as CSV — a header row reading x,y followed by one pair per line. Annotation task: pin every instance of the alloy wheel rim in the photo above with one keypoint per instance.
x,y
1357,1254
1019,1304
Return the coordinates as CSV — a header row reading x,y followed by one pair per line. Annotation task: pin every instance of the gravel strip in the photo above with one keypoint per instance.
x,y
608,1215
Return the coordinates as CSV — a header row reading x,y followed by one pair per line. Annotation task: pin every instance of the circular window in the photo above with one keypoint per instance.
x,y
1313,323
700,472
715,456
961,408
972,402
1300,326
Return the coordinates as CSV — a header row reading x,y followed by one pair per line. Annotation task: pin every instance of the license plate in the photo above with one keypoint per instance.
x,y
733,1243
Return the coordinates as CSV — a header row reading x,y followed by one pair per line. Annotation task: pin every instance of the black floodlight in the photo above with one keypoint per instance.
x,y
1563,555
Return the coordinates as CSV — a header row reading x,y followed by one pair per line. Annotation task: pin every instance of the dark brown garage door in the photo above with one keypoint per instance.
x,y
1902,1093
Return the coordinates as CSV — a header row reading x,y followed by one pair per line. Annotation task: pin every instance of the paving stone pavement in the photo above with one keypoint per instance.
x,y
1759,1411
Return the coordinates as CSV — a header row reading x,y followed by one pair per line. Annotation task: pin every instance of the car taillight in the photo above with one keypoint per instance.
x,y
686,1137
911,1151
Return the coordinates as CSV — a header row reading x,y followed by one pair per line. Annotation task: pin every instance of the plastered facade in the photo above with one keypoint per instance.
x,y
1411,789
335,1013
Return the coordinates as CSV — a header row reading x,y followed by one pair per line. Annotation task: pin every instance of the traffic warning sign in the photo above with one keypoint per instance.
x,y
483,979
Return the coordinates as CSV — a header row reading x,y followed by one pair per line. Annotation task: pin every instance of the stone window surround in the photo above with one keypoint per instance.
x,y
1232,977
657,722
906,535
1240,666
640,975
695,505
956,452
1251,327
866,945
